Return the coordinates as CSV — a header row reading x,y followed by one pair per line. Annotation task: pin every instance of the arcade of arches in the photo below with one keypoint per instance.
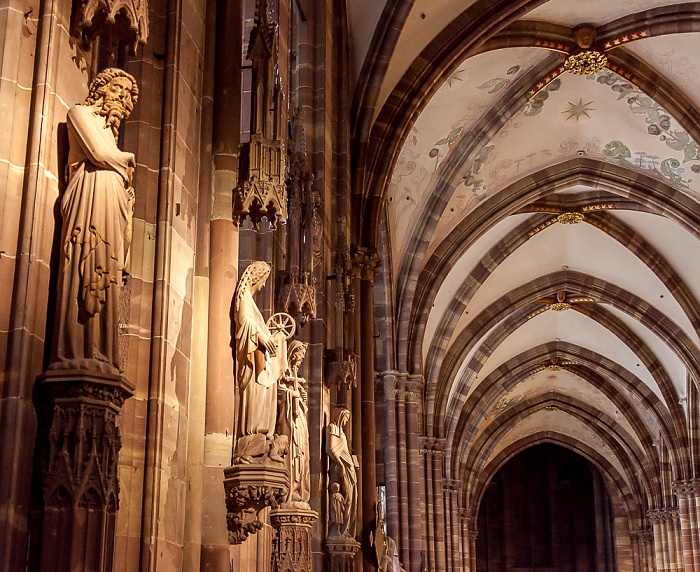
x,y
350,285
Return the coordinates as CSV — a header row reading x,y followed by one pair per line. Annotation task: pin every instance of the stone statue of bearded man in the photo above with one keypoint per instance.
x,y
97,209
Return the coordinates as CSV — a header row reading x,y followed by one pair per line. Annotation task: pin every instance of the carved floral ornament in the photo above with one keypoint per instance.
x,y
114,21
586,63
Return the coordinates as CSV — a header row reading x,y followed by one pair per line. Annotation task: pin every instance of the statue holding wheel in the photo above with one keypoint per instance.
x,y
261,355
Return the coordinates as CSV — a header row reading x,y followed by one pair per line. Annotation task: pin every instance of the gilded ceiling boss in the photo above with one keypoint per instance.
x,y
97,209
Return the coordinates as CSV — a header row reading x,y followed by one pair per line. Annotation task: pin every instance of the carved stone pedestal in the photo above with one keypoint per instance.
x,y
249,489
341,552
292,543
77,491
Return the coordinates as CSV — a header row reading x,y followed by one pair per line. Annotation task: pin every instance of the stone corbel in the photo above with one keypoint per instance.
x,y
112,20
249,489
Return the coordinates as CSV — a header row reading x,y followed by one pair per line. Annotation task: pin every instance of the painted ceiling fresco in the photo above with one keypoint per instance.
x,y
466,95
596,12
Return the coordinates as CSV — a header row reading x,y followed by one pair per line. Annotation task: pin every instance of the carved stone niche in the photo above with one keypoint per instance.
x,y
112,20
249,489
77,455
292,542
299,300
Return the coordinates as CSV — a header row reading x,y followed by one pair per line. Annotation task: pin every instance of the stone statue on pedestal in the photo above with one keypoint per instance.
x,y
97,209
293,421
261,355
343,472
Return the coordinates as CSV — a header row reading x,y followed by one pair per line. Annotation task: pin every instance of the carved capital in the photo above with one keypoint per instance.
x,y
112,20
414,388
432,446
388,380
452,485
249,489
663,515
644,535
686,489
365,264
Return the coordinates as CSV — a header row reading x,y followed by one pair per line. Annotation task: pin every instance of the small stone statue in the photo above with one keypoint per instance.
x,y
344,469
262,360
293,421
337,509
97,209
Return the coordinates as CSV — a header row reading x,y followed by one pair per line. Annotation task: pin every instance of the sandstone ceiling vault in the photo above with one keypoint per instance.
x,y
538,228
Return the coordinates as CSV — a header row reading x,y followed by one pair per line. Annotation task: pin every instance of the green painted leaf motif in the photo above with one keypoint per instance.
x,y
644,105
690,151
678,140
482,158
617,150
672,170
512,70
494,85
451,138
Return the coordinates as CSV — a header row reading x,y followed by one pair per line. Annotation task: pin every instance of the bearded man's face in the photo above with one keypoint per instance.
x,y
116,103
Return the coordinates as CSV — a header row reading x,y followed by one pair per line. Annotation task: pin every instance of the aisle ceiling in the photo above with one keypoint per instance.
x,y
542,252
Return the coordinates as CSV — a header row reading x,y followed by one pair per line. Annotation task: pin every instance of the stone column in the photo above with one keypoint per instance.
x,y
427,454
390,457
664,522
439,505
414,395
687,493
404,543
452,536
642,541
78,448
646,541
291,550
368,264
434,451
473,533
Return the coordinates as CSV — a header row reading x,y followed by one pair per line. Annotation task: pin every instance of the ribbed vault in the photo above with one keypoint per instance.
x,y
539,233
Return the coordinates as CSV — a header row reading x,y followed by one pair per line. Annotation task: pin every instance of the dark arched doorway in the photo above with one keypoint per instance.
x,y
547,509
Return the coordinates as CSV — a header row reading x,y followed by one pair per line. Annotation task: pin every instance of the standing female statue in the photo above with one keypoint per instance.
x,y
344,467
262,360
97,209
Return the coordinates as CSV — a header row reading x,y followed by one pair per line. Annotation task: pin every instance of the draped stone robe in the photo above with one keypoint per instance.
x,y
258,372
97,212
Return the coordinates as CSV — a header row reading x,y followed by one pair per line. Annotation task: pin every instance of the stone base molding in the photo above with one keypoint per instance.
x,y
341,551
292,543
77,451
249,489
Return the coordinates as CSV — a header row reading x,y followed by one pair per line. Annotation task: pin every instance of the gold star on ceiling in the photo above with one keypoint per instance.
x,y
578,110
